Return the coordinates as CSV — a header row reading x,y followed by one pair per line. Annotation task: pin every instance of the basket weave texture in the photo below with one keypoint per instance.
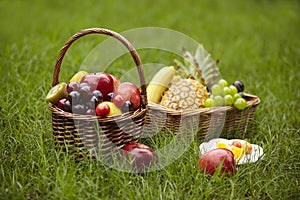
x,y
77,133
207,123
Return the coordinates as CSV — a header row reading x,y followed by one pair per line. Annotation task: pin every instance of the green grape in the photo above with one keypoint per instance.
x,y
218,101
217,90
222,83
233,90
240,104
208,103
228,99
227,90
236,96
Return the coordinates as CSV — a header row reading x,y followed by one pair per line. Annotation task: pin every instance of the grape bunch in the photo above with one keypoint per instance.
x,y
223,94
80,100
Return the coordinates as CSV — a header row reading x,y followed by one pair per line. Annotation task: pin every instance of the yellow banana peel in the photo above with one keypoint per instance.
x,y
78,76
160,83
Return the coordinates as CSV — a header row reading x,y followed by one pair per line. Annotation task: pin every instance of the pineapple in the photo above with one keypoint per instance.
x,y
184,94
189,91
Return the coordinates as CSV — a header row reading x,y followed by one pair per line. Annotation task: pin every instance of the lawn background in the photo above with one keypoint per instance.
x,y
256,41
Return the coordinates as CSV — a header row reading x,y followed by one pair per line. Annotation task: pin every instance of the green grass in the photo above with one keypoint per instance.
x,y
256,41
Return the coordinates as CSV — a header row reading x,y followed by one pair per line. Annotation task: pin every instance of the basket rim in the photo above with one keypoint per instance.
x,y
121,117
252,101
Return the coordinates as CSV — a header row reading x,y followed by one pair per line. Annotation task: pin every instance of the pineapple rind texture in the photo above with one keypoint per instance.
x,y
184,94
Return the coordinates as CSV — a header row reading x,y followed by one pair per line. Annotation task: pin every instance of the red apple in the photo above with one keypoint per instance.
x,y
99,81
116,81
129,92
140,155
222,157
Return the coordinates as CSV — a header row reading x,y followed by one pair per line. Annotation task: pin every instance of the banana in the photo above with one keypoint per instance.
x,y
160,83
78,76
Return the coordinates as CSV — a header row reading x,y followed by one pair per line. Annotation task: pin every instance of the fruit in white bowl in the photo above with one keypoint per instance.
x,y
247,147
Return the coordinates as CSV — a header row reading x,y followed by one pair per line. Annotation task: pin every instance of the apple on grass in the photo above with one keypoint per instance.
x,y
217,158
140,156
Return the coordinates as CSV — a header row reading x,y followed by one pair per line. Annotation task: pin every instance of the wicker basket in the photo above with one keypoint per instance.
x,y
208,123
77,133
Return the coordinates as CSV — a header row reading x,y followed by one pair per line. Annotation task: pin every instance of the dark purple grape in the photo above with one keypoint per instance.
x,y
242,94
73,86
83,85
94,101
128,106
111,96
239,86
98,95
74,97
79,109
68,106
85,92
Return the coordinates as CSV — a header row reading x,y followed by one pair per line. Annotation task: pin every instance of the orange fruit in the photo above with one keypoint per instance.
x,y
237,152
222,145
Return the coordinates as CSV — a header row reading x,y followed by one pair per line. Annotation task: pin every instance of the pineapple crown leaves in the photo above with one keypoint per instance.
x,y
200,66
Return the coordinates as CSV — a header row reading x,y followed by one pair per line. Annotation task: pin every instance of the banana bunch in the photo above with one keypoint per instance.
x,y
160,83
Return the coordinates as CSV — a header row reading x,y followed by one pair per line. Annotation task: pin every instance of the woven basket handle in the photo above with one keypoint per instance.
x,y
119,37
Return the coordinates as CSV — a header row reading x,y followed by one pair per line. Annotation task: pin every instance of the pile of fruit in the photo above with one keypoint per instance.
x,y
103,95
99,94
194,84
238,149
224,157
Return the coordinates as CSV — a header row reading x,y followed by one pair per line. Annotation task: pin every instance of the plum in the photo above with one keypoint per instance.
x,y
239,85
